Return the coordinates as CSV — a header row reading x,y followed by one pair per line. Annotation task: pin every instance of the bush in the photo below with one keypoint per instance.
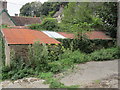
x,y
55,66
56,84
47,24
86,45
78,57
75,56
46,75
54,51
35,26
17,70
38,56
66,63
105,54
2,50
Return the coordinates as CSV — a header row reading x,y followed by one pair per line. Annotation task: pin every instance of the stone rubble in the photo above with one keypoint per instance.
x,y
25,83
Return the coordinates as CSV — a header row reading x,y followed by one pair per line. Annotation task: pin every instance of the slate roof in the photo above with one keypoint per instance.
x,y
26,36
22,21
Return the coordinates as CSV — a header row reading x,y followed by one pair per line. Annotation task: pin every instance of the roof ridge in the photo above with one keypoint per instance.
x,y
25,17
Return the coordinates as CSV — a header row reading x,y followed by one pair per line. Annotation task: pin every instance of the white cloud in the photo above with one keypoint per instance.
x,y
15,5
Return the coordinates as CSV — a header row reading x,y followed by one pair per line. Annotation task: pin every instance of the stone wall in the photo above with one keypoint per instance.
x,y
6,20
20,51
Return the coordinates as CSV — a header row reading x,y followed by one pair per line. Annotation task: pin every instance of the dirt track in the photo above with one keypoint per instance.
x,y
91,74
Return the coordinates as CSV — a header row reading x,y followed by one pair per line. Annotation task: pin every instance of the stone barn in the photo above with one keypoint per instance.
x,y
19,39
16,20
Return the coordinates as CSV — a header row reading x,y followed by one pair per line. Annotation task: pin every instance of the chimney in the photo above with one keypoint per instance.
x,y
16,14
5,4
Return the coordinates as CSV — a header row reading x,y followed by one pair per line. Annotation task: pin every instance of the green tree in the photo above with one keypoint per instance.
x,y
38,9
108,12
79,18
50,8
49,24
31,9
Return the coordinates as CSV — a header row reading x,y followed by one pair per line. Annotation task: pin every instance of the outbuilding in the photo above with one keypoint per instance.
x,y
19,39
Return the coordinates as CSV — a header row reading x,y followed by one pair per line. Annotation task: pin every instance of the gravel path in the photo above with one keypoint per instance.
x,y
90,72
109,82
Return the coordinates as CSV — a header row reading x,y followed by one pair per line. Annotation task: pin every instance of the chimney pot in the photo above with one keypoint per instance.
x,y
4,4
16,14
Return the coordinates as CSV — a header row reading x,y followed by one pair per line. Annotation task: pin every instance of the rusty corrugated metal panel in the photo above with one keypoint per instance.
x,y
91,35
67,35
26,36
97,35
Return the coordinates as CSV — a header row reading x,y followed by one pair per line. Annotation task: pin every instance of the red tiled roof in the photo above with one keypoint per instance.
x,y
90,35
22,21
26,36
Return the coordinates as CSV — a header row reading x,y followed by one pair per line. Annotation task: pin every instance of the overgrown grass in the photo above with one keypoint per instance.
x,y
54,83
44,64
105,54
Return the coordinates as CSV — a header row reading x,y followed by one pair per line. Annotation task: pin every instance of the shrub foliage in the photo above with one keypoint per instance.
x,y
49,24
44,60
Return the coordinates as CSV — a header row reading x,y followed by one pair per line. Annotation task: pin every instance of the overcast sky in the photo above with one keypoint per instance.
x,y
15,5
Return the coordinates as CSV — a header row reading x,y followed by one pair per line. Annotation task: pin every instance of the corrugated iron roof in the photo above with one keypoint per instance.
x,y
90,35
53,34
26,36
97,35
67,35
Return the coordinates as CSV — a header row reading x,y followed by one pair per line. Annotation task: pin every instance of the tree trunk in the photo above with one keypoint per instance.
x,y
118,30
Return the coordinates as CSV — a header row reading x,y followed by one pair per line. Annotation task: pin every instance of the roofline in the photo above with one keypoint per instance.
x,y
26,17
4,10
31,44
